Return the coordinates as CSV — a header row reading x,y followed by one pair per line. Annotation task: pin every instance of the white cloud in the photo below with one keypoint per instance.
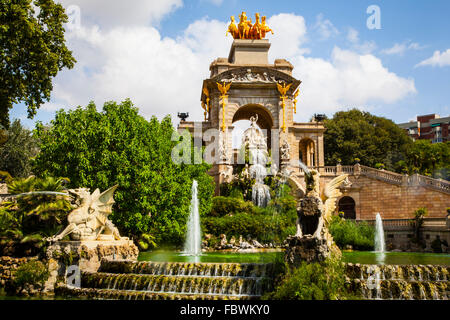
x,y
353,35
289,36
438,59
164,75
347,80
364,47
214,2
401,48
107,13
325,27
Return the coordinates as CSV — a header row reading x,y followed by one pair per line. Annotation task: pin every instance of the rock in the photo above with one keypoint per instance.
x,y
223,240
256,244
309,249
246,245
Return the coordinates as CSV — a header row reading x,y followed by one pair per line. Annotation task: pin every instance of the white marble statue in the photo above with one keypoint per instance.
x,y
89,221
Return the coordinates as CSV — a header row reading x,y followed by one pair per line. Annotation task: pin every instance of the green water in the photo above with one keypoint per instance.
x,y
171,256
363,257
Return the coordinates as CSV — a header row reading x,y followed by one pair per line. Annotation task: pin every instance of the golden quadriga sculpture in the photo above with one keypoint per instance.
x,y
246,30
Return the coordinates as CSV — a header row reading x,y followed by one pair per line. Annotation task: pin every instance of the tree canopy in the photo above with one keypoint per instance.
x,y
426,158
18,151
118,146
32,51
357,134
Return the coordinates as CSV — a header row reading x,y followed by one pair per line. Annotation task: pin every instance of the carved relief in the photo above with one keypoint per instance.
x,y
249,76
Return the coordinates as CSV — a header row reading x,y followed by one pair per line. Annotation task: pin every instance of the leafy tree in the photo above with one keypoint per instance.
x,y
32,51
118,146
357,134
16,154
430,159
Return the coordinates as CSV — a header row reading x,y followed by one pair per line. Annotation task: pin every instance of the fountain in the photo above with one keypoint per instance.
x,y
254,140
379,234
193,243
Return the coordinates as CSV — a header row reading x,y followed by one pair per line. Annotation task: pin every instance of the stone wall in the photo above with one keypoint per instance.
x,y
394,201
8,265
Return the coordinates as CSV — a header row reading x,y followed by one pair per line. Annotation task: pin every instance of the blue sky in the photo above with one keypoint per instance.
x,y
158,52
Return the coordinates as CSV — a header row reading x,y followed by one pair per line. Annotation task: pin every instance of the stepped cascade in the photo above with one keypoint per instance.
x,y
400,282
247,281
174,280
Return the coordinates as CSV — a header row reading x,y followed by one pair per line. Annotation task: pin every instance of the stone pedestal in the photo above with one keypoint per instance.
x,y
87,255
306,249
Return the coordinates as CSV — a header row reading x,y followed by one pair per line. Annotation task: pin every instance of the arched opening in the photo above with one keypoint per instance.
x,y
307,152
241,121
347,205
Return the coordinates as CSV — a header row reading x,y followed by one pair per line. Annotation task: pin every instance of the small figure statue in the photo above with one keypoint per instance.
x,y
232,29
285,151
223,154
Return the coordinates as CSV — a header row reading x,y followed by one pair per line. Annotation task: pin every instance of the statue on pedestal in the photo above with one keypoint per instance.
x,y
313,241
89,221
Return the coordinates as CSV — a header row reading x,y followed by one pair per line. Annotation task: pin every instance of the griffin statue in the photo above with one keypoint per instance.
x,y
313,241
89,221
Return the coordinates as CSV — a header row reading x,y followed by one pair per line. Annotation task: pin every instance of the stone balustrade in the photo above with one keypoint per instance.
x,y
383,175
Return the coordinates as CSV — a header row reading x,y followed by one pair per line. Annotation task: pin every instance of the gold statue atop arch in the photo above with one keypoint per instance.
x,y
246,30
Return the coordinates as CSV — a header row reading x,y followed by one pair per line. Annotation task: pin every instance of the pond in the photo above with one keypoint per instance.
x,y
363,257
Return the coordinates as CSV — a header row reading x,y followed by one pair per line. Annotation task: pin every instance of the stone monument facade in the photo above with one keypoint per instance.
x,y
244,85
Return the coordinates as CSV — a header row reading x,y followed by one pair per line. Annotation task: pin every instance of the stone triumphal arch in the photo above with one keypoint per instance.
x,y
244,85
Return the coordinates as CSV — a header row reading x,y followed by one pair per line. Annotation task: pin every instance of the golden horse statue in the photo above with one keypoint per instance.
x,y
232,29
244,26
256,28
264,27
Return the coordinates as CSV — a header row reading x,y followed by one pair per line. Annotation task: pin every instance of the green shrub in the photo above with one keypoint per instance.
x,y
346,232
235,217
313,281
222,206
33,273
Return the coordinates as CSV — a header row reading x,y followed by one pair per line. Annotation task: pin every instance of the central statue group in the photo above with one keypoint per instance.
x,y
246,30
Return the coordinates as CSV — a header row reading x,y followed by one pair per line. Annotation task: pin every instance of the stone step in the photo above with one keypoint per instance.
x,y
188,269
176,283
402,289
398,272
109,294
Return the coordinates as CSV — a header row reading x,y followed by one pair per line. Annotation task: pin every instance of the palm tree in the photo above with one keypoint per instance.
x,y
38,209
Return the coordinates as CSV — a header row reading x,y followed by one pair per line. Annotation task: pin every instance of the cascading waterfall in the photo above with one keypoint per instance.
x,y
258,170
193,243
379,234
147,280
255,141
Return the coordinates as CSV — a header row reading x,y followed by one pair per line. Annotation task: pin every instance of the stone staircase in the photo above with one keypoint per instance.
x,y
382,175
173,280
